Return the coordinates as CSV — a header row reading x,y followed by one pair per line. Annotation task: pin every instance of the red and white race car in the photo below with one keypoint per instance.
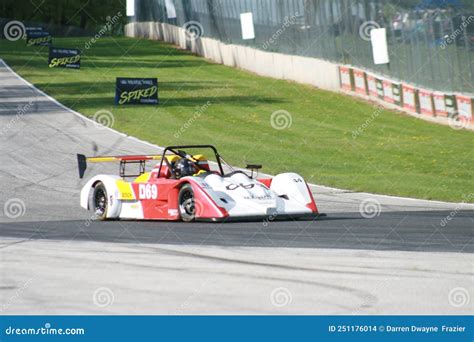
x,y
183,186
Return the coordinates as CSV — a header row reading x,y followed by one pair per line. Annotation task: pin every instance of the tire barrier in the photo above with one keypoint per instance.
x,y
407,97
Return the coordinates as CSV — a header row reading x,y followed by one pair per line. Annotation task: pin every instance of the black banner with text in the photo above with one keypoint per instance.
x,y
64,58
136,91
37,36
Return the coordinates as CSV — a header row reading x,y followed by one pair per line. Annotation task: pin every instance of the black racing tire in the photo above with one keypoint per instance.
x,y
186,204
100,201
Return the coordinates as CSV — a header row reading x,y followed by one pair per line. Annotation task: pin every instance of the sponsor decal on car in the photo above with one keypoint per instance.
x,y
147,191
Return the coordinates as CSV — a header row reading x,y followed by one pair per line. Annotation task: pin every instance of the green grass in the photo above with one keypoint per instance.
x,y
395,154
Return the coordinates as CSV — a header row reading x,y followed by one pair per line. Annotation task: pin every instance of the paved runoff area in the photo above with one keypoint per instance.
x,y
369,255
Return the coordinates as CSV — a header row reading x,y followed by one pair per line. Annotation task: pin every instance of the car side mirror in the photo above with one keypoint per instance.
x,y
253,167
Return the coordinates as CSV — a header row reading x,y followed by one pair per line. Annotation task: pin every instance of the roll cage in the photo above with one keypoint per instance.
x,y
178,150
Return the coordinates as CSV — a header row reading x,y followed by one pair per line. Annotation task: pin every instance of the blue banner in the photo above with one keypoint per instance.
x,y
237,328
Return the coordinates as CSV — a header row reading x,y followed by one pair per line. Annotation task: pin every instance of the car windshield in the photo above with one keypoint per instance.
x,y
201,155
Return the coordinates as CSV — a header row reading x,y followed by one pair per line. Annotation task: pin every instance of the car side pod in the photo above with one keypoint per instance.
x,y
293,187
206,208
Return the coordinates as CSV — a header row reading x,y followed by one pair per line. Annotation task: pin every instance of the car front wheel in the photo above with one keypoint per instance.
x,y
186,203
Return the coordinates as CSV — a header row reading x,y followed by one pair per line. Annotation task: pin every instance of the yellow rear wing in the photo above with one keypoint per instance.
x,y
82,161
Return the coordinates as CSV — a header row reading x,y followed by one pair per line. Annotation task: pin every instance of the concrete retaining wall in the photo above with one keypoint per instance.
x,y
313,71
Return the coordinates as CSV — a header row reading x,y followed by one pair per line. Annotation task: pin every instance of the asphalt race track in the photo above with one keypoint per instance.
x,y
412,257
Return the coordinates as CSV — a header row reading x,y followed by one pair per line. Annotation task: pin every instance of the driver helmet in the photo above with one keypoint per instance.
x,y
183,168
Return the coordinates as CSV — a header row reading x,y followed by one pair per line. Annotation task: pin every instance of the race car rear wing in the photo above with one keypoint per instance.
x,y
82,161
141,160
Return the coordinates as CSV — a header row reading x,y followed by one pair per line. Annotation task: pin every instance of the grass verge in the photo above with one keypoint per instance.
x,y
202,102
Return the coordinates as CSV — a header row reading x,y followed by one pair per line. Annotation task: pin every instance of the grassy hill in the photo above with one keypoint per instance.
x,y
332,140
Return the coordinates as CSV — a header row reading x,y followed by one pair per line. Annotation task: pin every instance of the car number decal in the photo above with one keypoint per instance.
x,y
147,191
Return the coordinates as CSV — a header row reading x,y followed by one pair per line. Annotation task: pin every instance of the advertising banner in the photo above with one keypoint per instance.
x,y
380,88
372,85
440,105
465,107
246,23
170,9
130,8
397,93
136,91
33,28
450,105
37,36
409,98
378,38
64,58
345,76
426,102
359,82
388,91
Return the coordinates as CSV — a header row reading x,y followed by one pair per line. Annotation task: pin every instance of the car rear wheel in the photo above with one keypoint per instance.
x,y
186,204
99,201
